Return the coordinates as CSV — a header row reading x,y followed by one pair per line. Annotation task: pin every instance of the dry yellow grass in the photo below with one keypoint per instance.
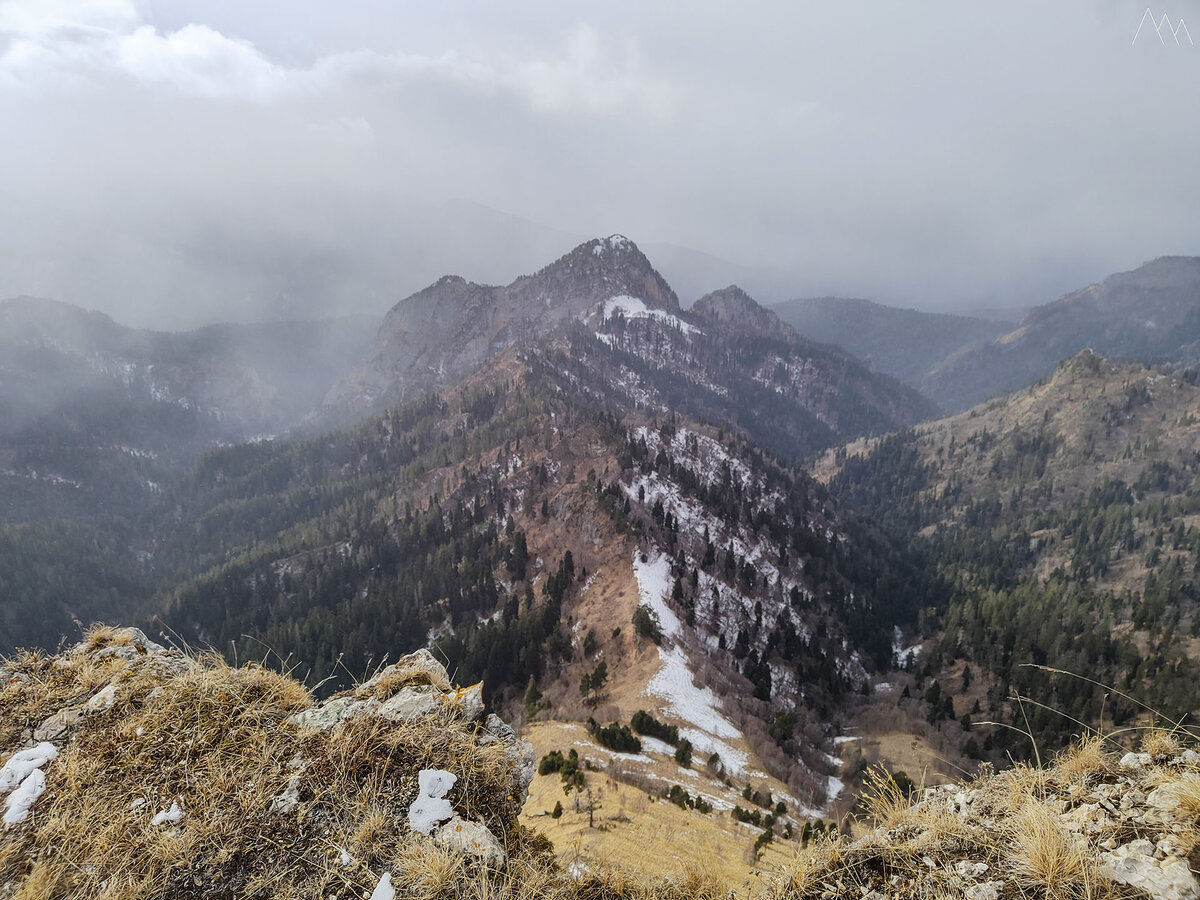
x,y
629,820
1018,829
1046,859
215,740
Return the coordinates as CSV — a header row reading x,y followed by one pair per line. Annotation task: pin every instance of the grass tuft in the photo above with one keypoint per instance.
x,y
1047,859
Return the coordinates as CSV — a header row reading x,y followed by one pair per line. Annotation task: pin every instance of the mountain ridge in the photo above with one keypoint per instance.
x,y
1150,314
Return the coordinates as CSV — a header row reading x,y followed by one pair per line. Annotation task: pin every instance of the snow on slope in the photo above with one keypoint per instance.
x,y
633,308
698,706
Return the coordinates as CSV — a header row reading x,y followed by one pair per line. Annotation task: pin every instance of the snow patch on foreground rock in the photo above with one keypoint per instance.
x,y
24,781
431,808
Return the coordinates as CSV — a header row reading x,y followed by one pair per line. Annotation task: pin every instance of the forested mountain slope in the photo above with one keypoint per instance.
x,y
1065,518
102,421
493,515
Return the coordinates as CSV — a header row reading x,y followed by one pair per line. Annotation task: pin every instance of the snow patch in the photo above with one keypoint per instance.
x,y
654,745
902,652
633,308
19,802
734,761
19,765
654,583
697,706
172,816
431,808
384,890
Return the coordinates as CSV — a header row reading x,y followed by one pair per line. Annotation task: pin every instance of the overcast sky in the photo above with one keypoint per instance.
x,y
175,161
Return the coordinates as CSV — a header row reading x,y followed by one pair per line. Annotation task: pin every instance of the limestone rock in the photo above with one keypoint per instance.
x,y
1135,760
523,761
964,868
284,803
467,700
518,753
1166,879
126,643
421,667
988,890
331,713
410,703
497,729
57,725
474,840
102,700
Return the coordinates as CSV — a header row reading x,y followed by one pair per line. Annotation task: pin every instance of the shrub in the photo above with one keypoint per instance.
x,y
646,624
644,723
615,737
684,800
567,766
683,754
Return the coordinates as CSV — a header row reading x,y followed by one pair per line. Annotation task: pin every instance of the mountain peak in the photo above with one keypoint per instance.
x,y
733,307
614,243
448,329
600,269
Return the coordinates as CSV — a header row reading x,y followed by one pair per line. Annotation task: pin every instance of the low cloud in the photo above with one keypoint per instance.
x,y
61,42
289,156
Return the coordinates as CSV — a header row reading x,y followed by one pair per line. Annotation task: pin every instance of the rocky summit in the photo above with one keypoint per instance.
x,y
733,308
132,770
445,331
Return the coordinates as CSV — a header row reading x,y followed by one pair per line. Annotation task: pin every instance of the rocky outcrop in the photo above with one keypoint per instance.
x,y
119,748
1091,825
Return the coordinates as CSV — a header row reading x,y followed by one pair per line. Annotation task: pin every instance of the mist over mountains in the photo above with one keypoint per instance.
x,y
597,500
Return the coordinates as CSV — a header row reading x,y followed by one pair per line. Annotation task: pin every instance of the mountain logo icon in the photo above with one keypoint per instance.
x,y
1160,24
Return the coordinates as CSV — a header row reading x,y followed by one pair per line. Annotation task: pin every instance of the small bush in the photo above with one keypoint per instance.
x,y
683,754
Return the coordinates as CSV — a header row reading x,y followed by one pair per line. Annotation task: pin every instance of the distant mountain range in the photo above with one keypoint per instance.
x,y
905,343
1151,314
93,414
